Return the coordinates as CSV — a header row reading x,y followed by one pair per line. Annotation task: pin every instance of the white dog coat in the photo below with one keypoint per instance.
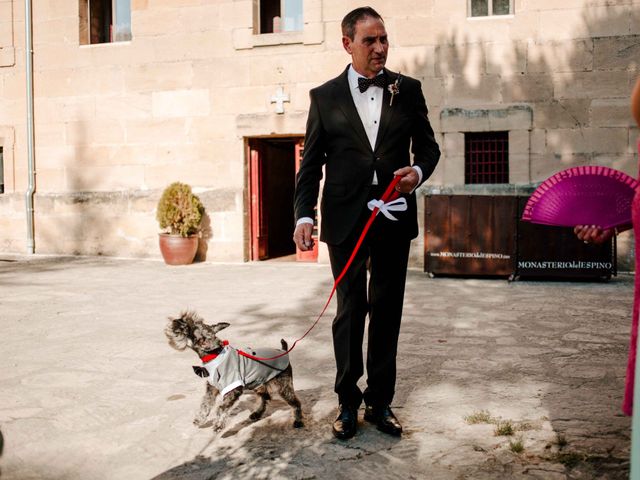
x,y
229,369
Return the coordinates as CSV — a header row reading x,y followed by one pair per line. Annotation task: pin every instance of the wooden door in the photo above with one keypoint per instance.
x,y
259,224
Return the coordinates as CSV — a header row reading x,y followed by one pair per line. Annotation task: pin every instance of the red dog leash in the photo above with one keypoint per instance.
x,y
389,195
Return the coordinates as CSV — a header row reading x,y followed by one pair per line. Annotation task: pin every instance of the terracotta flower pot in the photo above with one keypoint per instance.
x,y
177,250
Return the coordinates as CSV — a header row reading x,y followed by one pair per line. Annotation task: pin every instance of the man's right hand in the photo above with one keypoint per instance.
x,y
302,236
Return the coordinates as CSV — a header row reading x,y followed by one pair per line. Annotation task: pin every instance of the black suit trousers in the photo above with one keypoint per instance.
x,y
384,255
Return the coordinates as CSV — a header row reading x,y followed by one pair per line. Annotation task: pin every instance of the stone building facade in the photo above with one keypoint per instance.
x,y
187,89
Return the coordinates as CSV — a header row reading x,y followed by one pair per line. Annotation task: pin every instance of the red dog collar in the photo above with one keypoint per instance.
x,y
210,356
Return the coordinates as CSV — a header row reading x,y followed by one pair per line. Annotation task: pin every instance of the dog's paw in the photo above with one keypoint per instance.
x,y
218,425
200,421
298,424
255,416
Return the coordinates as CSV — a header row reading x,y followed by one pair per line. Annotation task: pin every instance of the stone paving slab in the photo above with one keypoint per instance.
x,y
90,389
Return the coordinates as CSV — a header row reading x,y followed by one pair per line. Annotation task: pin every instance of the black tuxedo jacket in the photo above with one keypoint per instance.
x,y
336,138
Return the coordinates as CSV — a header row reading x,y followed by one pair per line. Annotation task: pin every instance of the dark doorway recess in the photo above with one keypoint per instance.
x,y
272,171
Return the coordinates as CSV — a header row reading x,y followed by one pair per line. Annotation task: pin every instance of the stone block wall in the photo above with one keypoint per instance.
x,y
116,123
574,75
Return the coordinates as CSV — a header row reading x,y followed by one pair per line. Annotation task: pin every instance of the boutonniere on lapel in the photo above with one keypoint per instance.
x,y
394,88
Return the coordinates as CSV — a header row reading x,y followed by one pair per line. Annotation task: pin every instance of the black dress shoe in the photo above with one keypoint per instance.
x,y
346,423
384,419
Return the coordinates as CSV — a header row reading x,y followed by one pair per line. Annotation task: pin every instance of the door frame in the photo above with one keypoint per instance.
x,y
254,245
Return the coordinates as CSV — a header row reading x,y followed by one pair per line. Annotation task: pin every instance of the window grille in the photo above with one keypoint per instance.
x,y
486,157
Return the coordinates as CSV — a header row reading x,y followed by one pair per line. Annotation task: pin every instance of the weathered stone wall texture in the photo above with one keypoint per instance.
x,y
116,123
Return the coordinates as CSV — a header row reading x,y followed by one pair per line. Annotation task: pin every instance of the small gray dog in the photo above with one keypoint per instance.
x,y
229,373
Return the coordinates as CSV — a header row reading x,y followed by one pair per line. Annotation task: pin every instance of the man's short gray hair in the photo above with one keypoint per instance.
x,y
354,16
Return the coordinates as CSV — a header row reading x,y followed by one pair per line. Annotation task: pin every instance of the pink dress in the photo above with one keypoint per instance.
x,y
627,404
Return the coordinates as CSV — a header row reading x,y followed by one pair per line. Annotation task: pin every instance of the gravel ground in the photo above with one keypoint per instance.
x,y
90,389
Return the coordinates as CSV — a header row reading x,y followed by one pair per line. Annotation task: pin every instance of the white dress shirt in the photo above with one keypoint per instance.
x,y
369,106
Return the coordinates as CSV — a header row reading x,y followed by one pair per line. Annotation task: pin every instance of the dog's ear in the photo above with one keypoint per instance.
x,y
220,326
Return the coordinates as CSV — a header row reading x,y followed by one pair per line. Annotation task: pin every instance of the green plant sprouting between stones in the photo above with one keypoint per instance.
x,y
516,446
504,428
483,416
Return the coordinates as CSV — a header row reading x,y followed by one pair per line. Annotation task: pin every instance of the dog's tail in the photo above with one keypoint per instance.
x,y
285,347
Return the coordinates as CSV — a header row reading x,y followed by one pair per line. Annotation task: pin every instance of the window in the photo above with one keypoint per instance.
x,y
486,157
485,8
280,16
104,21
1,172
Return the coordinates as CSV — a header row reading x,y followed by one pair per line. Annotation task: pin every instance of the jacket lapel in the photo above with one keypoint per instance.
x,y
345,101
387,109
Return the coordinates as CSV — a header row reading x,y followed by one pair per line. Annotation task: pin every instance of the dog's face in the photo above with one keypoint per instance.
x,y
189,330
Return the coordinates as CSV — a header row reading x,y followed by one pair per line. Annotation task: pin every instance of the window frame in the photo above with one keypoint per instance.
x,y
7,143
246,33
490,13
283,4
118,28
1,169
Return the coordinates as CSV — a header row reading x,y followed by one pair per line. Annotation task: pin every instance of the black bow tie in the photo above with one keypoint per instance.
x,y
377,81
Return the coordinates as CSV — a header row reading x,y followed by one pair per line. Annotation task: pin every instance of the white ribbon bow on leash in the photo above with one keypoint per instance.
x,y
397,205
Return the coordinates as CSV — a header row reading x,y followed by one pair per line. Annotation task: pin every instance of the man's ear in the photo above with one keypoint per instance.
x,y
346,43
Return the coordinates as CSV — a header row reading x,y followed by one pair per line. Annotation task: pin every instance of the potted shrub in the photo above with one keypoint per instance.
x,y
179,213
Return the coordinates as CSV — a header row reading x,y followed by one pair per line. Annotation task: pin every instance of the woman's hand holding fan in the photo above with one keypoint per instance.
x,y
593,234
595,200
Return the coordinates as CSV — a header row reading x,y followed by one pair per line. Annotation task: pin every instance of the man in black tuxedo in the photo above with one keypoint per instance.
x,y
362,127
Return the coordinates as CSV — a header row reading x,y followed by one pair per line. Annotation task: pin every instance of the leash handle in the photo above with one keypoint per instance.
x,y
389,194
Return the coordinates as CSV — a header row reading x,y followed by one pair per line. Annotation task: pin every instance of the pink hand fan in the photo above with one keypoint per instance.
x,y
586,195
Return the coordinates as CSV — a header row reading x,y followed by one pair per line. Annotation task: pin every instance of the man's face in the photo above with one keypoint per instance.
x,y
369,47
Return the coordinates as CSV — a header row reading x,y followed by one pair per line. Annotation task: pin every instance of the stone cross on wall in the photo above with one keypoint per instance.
x,y
279,98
